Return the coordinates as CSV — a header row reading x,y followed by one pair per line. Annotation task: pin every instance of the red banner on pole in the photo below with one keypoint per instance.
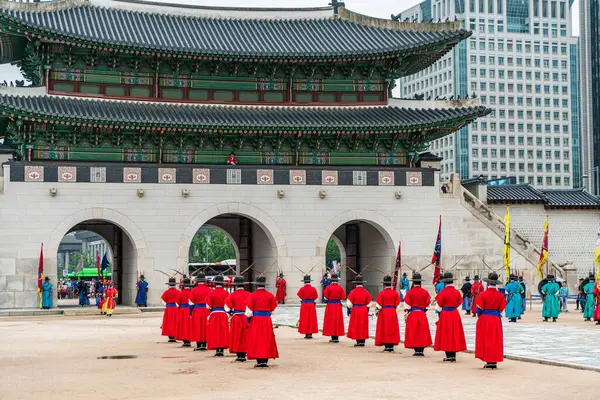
x,y
397,266
436,259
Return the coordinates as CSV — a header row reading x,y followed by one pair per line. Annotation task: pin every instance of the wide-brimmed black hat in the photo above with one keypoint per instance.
x,y
219,280
520,279
550,278
468,278
187,282
387,280
306,279
359,280
417,278
239,281
142,277
281,274
448,277
172,282
404,275
335,278
591,275
476,278
46,279
492,279
512,277
260,281
201,277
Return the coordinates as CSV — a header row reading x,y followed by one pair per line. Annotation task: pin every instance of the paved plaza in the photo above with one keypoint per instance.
x,y
549,342
124,357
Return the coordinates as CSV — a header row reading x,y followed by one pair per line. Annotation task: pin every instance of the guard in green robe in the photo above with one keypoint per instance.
x,y
47,288
588,292
551,306
514,293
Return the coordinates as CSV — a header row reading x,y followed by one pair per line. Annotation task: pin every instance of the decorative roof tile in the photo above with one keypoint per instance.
x,y
570,198
508,194
178,115
321,38
550,198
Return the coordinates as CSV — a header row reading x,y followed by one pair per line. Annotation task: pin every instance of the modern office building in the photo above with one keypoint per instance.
x,y
522,61
589,30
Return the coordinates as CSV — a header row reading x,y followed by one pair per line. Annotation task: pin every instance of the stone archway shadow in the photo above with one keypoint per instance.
x,y
388,230
258,216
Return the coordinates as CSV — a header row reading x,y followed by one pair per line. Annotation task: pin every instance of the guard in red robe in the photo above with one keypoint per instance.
x,y
388,330
358,303
235,305
333,324
476,289
418,334
199,312
183,315
450,335
261,344
281,286
170,298
489,341
217,327
308,324
597,300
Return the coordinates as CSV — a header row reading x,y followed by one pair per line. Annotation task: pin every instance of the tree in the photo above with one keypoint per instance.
x,y
332,253
211,245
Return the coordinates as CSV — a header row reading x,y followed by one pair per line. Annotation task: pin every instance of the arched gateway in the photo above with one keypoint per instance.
x,y
263,123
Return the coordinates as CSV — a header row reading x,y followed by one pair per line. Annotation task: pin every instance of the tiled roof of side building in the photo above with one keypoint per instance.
x,y
287,39
144,113
509,194
570,198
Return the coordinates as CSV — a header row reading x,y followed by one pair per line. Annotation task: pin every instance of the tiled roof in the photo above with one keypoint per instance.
x,y
522,193
321,38
570,198
551,198
144,113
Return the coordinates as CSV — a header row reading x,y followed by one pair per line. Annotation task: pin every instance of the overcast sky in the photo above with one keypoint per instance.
x,y
375,8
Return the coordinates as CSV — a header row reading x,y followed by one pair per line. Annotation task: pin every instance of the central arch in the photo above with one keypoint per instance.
x,y
267,237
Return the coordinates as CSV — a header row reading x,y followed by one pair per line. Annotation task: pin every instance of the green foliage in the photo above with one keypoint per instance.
x,y
332,253
211,246
89,260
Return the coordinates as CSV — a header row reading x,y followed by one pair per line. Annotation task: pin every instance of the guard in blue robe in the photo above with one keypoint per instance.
x,y
83,293
99,295
588,290
141,299
514,304
439,287
326,281
551,308
47,288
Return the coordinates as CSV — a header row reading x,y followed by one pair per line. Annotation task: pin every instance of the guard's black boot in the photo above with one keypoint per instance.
x,y
513,320
261,363
308,336
198,346
450,356
490,366
553,319
203,346
389,348
419,352
241,357
335,339
219,353
186,343
172,339
545,319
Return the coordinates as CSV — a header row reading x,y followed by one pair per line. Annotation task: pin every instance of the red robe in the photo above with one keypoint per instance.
x,y
333,324
489,342
597,309
199,313
183,315
169,325
358,327
450,335
476,289
417,332
388,329
109,297
308,324
217,327
260,338
281,285
236,303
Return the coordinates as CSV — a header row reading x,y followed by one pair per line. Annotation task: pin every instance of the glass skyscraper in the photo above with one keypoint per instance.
x,y
522,62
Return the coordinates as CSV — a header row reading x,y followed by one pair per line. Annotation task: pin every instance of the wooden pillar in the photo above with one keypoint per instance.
x,y
352,253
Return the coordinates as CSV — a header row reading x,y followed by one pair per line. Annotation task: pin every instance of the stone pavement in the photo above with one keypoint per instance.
x,y
572,346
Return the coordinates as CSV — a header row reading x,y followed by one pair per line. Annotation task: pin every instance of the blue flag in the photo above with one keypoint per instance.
x,y
105,264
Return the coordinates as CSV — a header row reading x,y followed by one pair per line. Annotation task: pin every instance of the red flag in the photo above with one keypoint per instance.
x,y
437,254
41,273
98,263
397,266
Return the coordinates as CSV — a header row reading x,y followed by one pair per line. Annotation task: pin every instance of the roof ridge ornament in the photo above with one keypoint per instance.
x,y
337,5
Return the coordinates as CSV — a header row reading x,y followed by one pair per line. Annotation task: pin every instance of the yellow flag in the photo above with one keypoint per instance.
x,y
507,241
543,252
